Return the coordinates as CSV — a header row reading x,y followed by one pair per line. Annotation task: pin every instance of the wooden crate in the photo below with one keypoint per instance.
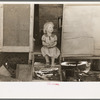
x,y
24,72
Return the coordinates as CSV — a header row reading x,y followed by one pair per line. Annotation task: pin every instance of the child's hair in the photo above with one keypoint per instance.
x,y
46,26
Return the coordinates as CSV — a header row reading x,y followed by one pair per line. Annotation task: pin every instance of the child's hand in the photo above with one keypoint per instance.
x,y
51,44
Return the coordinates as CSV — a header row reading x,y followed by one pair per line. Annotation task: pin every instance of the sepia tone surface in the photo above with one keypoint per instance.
x,y
77,30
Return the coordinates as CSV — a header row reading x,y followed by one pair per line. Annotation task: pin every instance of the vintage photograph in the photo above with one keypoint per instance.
x,y
49,42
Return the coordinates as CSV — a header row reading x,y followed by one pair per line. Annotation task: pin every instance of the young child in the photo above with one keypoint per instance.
x,y
49,42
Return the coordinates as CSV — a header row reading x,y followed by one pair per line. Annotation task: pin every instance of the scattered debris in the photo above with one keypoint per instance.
x,y
84,66
47,74
4,71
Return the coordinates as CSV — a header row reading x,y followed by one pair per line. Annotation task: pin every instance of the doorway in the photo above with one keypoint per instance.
x,y
44,13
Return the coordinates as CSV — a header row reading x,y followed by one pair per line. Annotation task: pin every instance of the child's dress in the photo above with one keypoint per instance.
x,y
50,51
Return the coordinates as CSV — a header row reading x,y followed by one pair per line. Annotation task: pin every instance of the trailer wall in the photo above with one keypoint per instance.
x,y
81,30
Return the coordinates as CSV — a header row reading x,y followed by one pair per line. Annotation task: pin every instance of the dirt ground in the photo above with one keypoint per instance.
x,y
89,78
53,75
7,78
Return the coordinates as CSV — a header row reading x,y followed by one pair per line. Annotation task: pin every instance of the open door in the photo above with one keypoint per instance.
x,y
17,26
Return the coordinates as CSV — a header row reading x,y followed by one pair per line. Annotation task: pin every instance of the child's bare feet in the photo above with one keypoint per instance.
x,y
53,64
47,64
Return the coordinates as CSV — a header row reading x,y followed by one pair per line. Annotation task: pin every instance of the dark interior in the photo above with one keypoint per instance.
x,y
44,13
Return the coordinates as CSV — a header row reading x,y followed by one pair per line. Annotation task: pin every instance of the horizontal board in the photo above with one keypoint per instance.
x,y
15,49
78,46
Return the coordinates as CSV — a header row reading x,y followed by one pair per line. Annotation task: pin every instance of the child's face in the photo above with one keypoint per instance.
x,y
50,28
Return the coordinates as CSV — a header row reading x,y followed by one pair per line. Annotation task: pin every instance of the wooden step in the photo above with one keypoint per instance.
x,y
37,53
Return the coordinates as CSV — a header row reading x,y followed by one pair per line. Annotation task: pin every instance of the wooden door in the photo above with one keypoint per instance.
x,y
80,30
17,27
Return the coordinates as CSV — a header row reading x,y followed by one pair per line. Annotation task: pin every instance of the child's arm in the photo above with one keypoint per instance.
x,y
55,42
43,41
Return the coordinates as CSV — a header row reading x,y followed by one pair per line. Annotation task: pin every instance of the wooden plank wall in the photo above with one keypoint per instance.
x,y
16,25
81,22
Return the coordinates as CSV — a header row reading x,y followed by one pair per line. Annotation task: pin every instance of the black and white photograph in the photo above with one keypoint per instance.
x,y
49,42
50,50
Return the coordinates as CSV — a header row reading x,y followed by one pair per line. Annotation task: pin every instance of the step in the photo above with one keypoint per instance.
x,y
37,53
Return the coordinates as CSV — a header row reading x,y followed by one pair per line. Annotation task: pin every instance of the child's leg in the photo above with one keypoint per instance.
x,y
52,61
47,59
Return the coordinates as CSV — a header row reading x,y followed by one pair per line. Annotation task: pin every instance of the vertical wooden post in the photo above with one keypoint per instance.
x,y
1,27
60,69
31,31
31,42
